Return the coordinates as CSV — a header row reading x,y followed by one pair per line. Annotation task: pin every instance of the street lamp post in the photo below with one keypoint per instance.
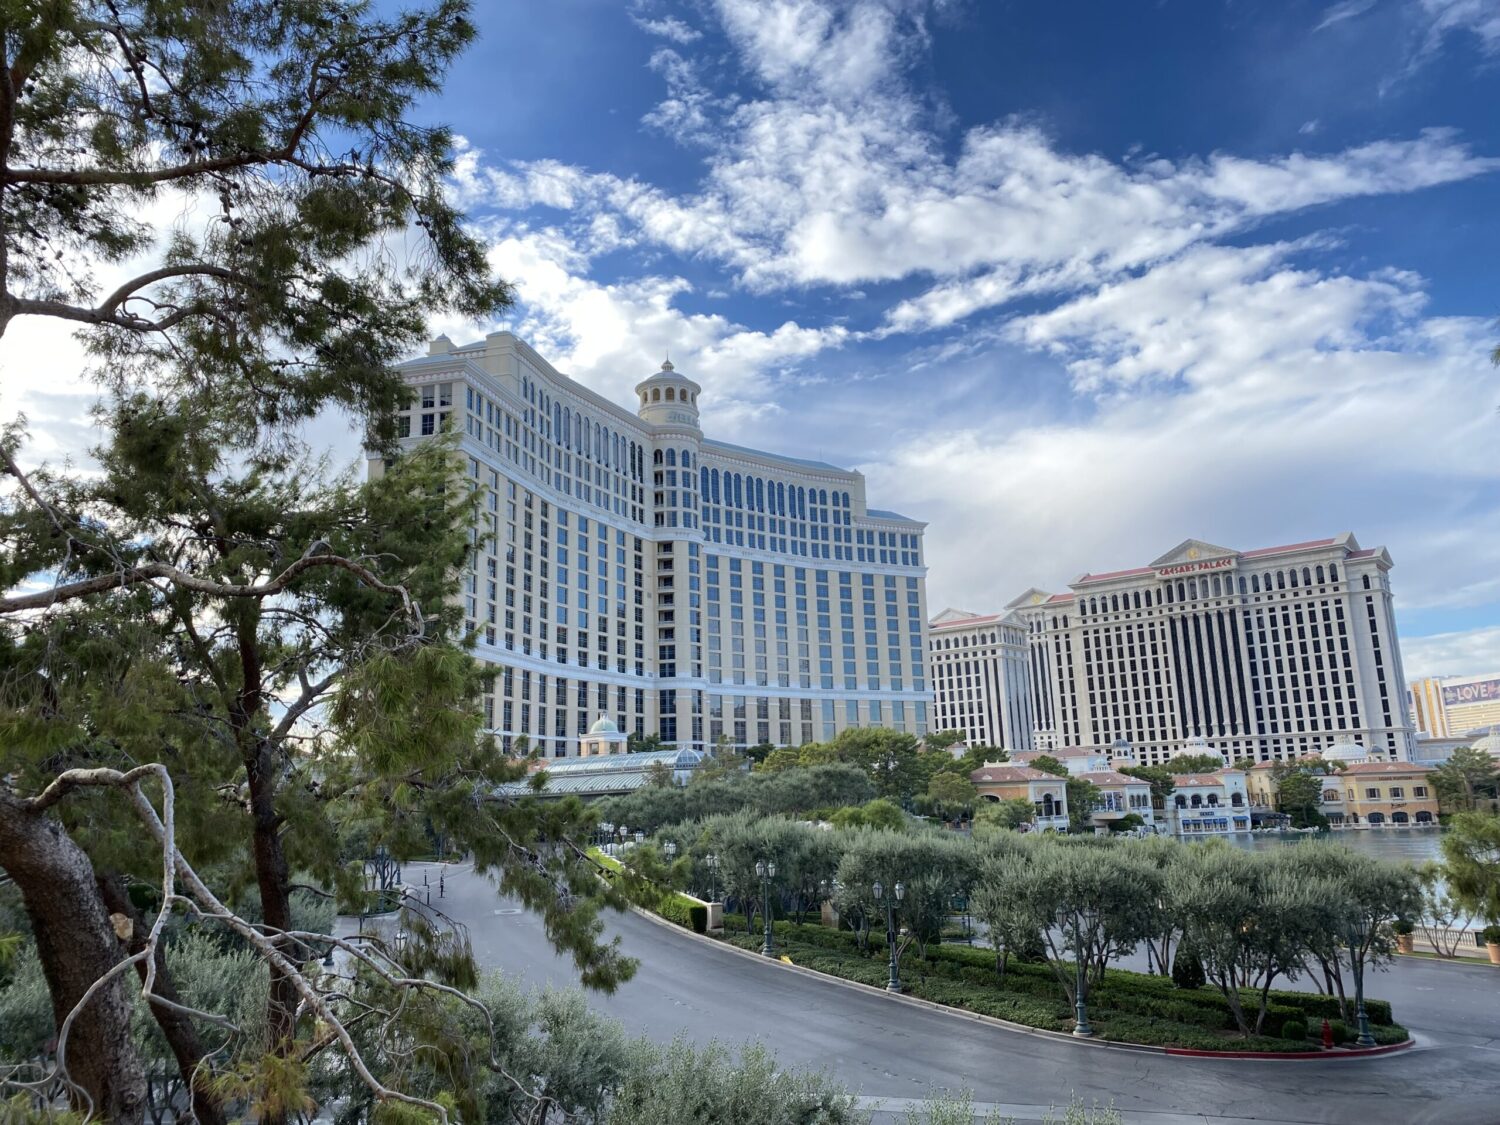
x,y
712,859
1081,1026
669,849
1358,932
766,869
898,892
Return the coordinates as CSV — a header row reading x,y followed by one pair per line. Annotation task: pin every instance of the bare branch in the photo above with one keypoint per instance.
x,y
134,575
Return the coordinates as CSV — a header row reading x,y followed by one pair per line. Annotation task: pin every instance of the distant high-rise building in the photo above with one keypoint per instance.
x,y
1453,706
1270,653
627,566
979,678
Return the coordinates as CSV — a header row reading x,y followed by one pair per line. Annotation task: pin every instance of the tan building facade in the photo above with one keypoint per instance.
x,y
629,565
979,678
1369,793
1385,795
1269,654
1454,706
1048,793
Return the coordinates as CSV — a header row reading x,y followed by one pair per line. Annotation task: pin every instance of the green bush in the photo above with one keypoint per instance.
x,y
1125,1006
1492,935
1187,970
1341,1032
684,912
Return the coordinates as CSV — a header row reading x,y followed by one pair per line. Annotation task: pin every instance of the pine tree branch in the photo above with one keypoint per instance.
x,y
202,901
134,575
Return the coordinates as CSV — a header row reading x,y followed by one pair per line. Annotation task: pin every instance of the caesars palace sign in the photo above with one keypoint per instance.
x,y
1196,567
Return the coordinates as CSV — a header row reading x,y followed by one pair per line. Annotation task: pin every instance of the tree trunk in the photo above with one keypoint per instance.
x,y
273,880
77,945
1231,994
181,1035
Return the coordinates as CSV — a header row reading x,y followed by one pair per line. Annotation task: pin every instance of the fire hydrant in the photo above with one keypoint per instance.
x,y
1327,1036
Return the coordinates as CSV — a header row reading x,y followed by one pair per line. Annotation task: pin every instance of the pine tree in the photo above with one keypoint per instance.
x,y
221,613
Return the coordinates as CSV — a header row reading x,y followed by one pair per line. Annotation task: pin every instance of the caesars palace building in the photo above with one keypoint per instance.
x,y
1269,653
629,567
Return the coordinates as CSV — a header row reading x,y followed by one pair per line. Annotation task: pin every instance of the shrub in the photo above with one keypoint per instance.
x,y
684,912
1403,926
1341,1032
1187,970
1278,1016
1125,1006
1492,935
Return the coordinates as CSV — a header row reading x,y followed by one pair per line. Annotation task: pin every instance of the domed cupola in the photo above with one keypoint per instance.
x,y
602,738
669,399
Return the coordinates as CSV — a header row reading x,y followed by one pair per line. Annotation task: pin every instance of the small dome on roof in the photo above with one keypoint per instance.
x,y
1490,743
1345,750
604,725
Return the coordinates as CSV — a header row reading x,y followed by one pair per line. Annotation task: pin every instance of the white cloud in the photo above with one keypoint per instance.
x,y
1216,316
1233,392
1263,404
1344,10
839,173
610,336
1480,18
1472,653
668,27
685,113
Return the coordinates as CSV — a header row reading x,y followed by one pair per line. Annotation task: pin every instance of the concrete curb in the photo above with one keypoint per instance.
x,y
1423,957
1293,1056
1021,1028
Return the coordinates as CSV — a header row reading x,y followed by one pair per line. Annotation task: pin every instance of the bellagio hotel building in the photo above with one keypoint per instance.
x,y
1270,653
626,565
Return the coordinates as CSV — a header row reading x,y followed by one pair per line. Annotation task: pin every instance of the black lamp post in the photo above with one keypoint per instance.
x,y
898,892
1081,1026
766,869
1359,931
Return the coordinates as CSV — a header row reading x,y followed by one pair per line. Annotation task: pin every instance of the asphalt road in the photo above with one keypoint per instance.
x,y
890,1052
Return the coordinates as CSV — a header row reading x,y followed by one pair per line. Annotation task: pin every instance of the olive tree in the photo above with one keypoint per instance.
x,y
1250,920
1471,861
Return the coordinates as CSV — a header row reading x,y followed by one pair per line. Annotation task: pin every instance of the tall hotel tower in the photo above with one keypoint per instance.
x,y
628,566
1270,653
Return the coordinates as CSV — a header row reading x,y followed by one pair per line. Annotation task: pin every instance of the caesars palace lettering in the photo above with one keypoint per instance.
x,y
1195,567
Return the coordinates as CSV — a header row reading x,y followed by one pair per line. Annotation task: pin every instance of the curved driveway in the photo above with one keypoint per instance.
x,y
890,1051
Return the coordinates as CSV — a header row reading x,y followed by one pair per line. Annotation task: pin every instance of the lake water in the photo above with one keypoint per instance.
x,y
1415,845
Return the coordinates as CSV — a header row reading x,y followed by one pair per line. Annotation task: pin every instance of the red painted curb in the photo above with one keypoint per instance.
x,y
1318,1056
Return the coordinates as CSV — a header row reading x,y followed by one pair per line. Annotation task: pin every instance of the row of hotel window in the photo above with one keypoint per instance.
x,y
613,450
732,715
1215,586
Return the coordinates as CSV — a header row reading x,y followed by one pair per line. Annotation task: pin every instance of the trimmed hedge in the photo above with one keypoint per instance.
x,y
1124,1006
684,911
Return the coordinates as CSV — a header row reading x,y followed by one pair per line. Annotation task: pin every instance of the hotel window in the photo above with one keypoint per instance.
x,y
1372,794
1419,791
1397,792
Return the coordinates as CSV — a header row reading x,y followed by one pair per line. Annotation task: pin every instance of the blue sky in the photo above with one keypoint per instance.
x,y
1071,281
